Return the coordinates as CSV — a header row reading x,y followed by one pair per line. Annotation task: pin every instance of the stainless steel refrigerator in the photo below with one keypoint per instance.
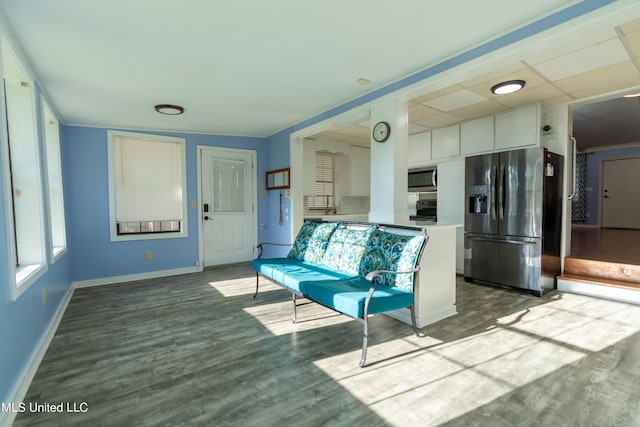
x,y
513,218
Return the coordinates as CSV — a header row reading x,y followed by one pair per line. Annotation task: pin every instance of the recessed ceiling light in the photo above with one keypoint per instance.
x,y
363,81
632,95
172,110
507,87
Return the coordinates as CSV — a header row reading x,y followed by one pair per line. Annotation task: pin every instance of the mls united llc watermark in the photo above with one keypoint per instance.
x,y
46,407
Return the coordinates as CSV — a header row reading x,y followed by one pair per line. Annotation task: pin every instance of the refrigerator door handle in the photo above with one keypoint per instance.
x,y
513,242
494,202
503,191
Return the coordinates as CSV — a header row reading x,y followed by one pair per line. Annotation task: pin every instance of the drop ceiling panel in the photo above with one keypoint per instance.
x,y
439,120
482,109
416,128
580,61
604,80
420,111
455,100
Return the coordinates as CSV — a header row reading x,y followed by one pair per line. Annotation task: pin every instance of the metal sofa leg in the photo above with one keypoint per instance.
x,y
294,307
257,277
414,324
365,335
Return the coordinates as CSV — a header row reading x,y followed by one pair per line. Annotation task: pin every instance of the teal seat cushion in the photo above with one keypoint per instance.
x,y
348,296
294,274
312,240
346,248
393,252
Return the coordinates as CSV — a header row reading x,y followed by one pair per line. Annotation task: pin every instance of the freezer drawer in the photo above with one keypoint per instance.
x,y
508,261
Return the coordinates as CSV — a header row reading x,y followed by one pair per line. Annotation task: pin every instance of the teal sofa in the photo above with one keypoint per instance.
x,y
356,269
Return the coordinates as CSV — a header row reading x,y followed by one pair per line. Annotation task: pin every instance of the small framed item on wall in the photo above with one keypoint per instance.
x,y
278,179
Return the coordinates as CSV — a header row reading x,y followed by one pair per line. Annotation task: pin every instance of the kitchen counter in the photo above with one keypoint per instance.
x,y
338,217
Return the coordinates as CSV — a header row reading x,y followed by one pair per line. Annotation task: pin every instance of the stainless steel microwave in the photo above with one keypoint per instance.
x,y
423,179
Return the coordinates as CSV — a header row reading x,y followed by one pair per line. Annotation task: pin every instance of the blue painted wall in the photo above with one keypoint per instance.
x,y
93,255
593,177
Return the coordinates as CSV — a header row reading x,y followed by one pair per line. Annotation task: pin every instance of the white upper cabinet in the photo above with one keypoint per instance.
x,y
445,142
419,150
360,171
518,128
476,136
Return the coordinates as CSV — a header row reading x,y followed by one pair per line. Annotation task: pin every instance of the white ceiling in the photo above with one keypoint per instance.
x,y
257,67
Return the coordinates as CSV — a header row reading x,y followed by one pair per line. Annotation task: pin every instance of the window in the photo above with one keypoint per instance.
x,y
54,181
147,177
324,194
22,175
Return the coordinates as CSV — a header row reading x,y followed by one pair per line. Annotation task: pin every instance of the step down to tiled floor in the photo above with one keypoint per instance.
x,y
602,279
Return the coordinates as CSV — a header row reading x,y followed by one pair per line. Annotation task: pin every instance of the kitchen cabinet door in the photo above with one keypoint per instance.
x,y
419,150
518,128
360,171
476,136
445,142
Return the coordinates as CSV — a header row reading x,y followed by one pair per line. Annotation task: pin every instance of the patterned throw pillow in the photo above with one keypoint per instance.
x,y
311,241
302,240
346,249
393,252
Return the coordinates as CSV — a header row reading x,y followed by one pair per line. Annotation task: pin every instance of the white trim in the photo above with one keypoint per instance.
x,y
133,277
254,183
26,376
595,290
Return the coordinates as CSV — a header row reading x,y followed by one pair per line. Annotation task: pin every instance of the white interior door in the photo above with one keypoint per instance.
x,y
227,206
620,197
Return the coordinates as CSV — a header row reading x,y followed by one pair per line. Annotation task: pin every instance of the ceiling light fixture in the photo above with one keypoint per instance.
x,y
507,87
632,95
172,110
363,81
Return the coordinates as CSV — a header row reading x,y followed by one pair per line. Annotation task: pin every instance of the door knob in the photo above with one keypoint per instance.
x,y
606,197
206,218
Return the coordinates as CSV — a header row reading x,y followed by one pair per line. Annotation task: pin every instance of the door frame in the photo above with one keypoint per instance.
x,y
201,149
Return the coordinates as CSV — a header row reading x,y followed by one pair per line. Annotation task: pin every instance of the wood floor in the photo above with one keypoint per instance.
x,y
199,350
606,244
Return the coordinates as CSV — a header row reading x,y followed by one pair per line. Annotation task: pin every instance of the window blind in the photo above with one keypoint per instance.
x,y
148,185
324,192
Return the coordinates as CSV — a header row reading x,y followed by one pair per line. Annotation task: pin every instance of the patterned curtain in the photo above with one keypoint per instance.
x,y
578,205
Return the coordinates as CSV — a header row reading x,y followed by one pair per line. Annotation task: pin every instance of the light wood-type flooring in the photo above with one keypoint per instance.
x,y
198,350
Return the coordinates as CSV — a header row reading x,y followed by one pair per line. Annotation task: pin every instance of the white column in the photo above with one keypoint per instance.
x,y
389,165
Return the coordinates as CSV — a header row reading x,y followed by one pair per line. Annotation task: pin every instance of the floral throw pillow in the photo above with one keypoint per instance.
x,y
311,241
346,249
393,252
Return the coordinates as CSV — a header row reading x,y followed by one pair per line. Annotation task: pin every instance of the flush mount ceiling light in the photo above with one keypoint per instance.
x,y
632,95
363,81
507,87
172,110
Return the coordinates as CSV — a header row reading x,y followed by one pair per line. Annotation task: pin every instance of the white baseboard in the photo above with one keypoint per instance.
x,y
404,315
26,376
133,277
594,290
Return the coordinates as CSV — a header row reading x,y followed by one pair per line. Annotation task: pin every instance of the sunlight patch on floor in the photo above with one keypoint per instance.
x,y
440,381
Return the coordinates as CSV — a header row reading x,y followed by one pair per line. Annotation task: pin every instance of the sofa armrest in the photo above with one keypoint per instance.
x,y
260,245
371,276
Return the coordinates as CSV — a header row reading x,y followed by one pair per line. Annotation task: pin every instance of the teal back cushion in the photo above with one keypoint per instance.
x,y
311,241
393,252
346,249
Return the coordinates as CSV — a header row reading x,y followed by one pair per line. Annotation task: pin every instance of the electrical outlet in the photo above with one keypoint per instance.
x,y
193,204
148,255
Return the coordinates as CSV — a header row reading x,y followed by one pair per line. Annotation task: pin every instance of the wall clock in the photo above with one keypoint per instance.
x,y
381,131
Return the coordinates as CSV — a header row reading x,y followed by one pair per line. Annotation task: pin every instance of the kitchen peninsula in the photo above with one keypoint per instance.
x,y
435,294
